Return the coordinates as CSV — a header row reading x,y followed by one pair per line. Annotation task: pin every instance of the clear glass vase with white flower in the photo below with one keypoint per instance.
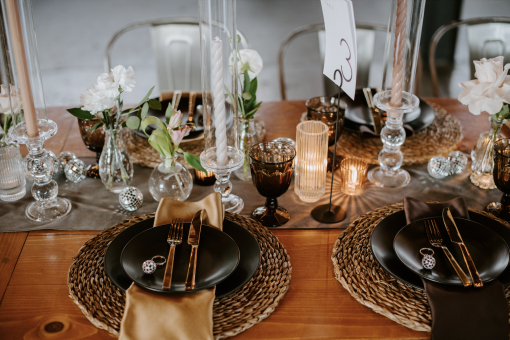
x,y
249,66
12,174
490,93
103,101
169,179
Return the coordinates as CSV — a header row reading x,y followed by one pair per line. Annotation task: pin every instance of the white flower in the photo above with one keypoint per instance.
x,y
248,60
491,88
96,99
179,134
125,78
106,83
14,104
175,121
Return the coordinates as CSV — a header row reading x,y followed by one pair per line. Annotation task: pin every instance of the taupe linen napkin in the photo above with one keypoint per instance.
x,y
149,315
458,312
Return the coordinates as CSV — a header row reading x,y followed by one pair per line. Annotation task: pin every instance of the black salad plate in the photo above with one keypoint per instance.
x,y
487,249
217,258
384,234
359,107
248,262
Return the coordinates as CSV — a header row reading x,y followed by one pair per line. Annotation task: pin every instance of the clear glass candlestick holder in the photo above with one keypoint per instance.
x,y
47,206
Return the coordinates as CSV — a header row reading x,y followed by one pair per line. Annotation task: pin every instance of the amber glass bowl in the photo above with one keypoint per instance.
x,y
501,174
94,141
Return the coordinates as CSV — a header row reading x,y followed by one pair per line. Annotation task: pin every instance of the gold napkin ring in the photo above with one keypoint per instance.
x,y
150,266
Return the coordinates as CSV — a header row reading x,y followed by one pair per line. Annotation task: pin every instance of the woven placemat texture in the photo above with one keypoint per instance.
x,y
368,282
103,303
440,138
142,153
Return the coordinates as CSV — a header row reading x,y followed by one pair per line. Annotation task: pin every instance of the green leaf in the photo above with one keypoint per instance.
x,y
251,113
169,112
82,114
146,97
246,86
247,96
133,122
253,87
155,104
95,127
160,137
194,161
238,38
145,109
229,94
155,145
151,120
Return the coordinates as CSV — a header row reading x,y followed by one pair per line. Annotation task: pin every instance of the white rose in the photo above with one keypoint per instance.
x,y
248,60
125,78
491,88
8,106
96,100
106,83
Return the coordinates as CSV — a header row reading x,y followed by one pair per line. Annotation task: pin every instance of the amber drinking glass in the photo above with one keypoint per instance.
x,y
271,166
501,174
94,141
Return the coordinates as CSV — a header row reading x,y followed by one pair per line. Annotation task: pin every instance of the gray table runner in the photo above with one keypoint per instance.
x,y
94,208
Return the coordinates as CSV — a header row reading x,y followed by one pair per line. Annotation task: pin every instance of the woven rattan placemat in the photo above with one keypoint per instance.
x,y
103,303
438,139
369,283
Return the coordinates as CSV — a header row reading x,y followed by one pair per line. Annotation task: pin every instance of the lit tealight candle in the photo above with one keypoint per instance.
x,y
353,172
204,178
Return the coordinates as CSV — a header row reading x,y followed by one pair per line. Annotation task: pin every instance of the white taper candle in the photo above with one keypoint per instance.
x,y
219,103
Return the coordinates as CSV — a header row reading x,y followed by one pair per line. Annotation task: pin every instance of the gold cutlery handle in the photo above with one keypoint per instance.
x,y
190,278
463,277
167,279
477,281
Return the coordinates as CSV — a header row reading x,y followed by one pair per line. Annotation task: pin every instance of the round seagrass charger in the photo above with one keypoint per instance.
x,y
361,275
103,303
438,139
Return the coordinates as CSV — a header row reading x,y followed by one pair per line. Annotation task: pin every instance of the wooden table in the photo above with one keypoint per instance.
x,y
33,265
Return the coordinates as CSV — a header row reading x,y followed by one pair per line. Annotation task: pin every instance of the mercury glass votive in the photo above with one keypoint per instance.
x,y
204,178
353,171
311,160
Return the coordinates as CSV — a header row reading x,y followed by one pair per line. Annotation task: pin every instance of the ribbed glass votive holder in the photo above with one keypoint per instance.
x,y
311,160
353,172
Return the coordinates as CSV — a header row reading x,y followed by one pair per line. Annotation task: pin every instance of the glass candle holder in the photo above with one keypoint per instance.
x,y
311,160
353,171
204,178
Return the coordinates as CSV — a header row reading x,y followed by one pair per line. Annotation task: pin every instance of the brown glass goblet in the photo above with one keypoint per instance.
x,y
501,174
271,166
94,141
324,109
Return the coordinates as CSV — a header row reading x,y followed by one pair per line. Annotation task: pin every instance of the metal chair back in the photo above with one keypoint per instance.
x,y
487,38
176,47
365,37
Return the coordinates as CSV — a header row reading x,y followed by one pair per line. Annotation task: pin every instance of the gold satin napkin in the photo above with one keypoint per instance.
x,y
150,315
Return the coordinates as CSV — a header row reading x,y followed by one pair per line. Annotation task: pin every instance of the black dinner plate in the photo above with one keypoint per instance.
x,y
382,246
487,249
217,258
248,263
426,117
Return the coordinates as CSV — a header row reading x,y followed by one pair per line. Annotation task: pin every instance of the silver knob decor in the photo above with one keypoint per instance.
x,y
130,198
75,170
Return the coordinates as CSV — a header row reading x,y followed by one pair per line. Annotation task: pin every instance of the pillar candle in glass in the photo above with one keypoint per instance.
x,y
353,171
311,160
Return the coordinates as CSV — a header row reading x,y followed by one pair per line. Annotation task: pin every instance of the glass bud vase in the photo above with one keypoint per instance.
x,y
170,179
483,160
248,137
12,174
115,166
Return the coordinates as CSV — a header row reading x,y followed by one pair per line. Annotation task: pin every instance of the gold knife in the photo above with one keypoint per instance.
x,y
455,237
193,239
375,113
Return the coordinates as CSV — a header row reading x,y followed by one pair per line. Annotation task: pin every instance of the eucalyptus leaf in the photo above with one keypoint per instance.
x,y
95,127
145,109
155,104
133,122
82,114
146,97
194,161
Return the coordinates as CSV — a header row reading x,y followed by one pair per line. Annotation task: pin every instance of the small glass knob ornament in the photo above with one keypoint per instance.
x,y
458,162
439,167
63,158
130,198
75,170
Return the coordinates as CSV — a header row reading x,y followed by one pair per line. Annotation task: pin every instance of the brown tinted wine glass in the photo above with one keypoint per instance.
x,y
501,174
271,166
94,141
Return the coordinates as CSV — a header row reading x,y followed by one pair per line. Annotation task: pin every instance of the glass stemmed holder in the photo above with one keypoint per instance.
x,y
232,203
389,174
48,206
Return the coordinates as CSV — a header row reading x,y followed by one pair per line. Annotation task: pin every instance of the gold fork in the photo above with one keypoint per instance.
x,y
436,240
174,238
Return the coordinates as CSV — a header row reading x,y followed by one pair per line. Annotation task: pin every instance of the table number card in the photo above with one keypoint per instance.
x,y
341,49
